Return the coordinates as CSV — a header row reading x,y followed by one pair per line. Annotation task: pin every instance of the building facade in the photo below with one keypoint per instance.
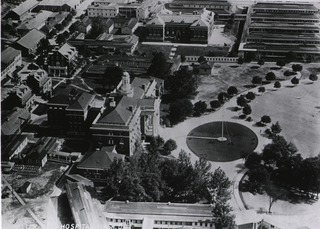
x,y
69,111
62,62
194,28
10,60
131,111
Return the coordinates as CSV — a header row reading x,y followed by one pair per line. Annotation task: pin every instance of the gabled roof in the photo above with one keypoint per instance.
x,y
82,102
11,123
100,160
9,54
31,39
132,23
156,21
25,6
22,90
77,101
200,22
68,51
121,114
109,23
35,22
85,21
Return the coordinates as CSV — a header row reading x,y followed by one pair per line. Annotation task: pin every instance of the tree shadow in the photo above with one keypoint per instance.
x,y
235,117
290,86
249,86
308,83
233,108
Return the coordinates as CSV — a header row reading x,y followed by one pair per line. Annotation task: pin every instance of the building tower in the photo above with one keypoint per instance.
x,y
126,88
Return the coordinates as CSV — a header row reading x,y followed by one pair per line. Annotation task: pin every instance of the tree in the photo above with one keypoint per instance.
x,y
155,143
265,119
222,97
246,109
222,217
240,60
241,101
258,178
183,84
250,95
98,26
183,58
270,76
64,23
313,77
232,90
159,67
215,104
277,84
275,193
295,81
169,146
281,63
297,67
256,80
219,186
261,89
179,110
74,12
201,59
253,160
199,108
73,27
290,56
261,62
276,128
61,38
66,34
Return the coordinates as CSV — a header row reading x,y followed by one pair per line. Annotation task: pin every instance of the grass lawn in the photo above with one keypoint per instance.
x,y
240,141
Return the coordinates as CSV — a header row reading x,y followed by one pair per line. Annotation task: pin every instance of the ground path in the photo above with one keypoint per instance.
x,y
235,169
23,203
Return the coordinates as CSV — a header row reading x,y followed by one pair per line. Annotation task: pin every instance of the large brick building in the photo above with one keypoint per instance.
x,y
131,111
184,28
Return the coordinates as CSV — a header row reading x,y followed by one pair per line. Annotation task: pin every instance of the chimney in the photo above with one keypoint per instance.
x,y
112,103
130,108
143,87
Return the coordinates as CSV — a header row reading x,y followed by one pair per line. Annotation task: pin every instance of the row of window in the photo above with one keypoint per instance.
x,y
284,11
283,41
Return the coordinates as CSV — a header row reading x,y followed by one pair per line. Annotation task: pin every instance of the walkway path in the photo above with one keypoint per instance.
x,y
234,170
23,203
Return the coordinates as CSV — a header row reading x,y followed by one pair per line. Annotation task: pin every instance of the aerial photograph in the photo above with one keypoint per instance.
x,y
160,114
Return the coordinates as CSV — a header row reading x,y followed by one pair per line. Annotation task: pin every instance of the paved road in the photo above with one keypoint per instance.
x,y
34,216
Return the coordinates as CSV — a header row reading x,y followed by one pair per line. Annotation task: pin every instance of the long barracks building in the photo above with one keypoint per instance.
x,y
274,29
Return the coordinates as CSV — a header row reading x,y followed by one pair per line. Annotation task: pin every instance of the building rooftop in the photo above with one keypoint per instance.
x,y
25,7
154,208
99,160
284,26
131,23
208,2
85,210
12,122
121,114
9,54
72,99
36,21
31,39
281,16
284,5
14,144
68,51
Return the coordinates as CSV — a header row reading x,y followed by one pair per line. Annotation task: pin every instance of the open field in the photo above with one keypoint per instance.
x,y
14,213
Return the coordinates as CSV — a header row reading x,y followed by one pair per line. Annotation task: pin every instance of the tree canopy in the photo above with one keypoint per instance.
x,y
182,84
180,110
159,67
232,90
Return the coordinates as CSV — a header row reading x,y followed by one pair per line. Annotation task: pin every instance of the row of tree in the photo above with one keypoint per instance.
x,y
149,177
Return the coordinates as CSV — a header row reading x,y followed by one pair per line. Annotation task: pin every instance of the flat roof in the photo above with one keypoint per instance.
x,y
156,208
279,15
284,36
283,26
284,6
